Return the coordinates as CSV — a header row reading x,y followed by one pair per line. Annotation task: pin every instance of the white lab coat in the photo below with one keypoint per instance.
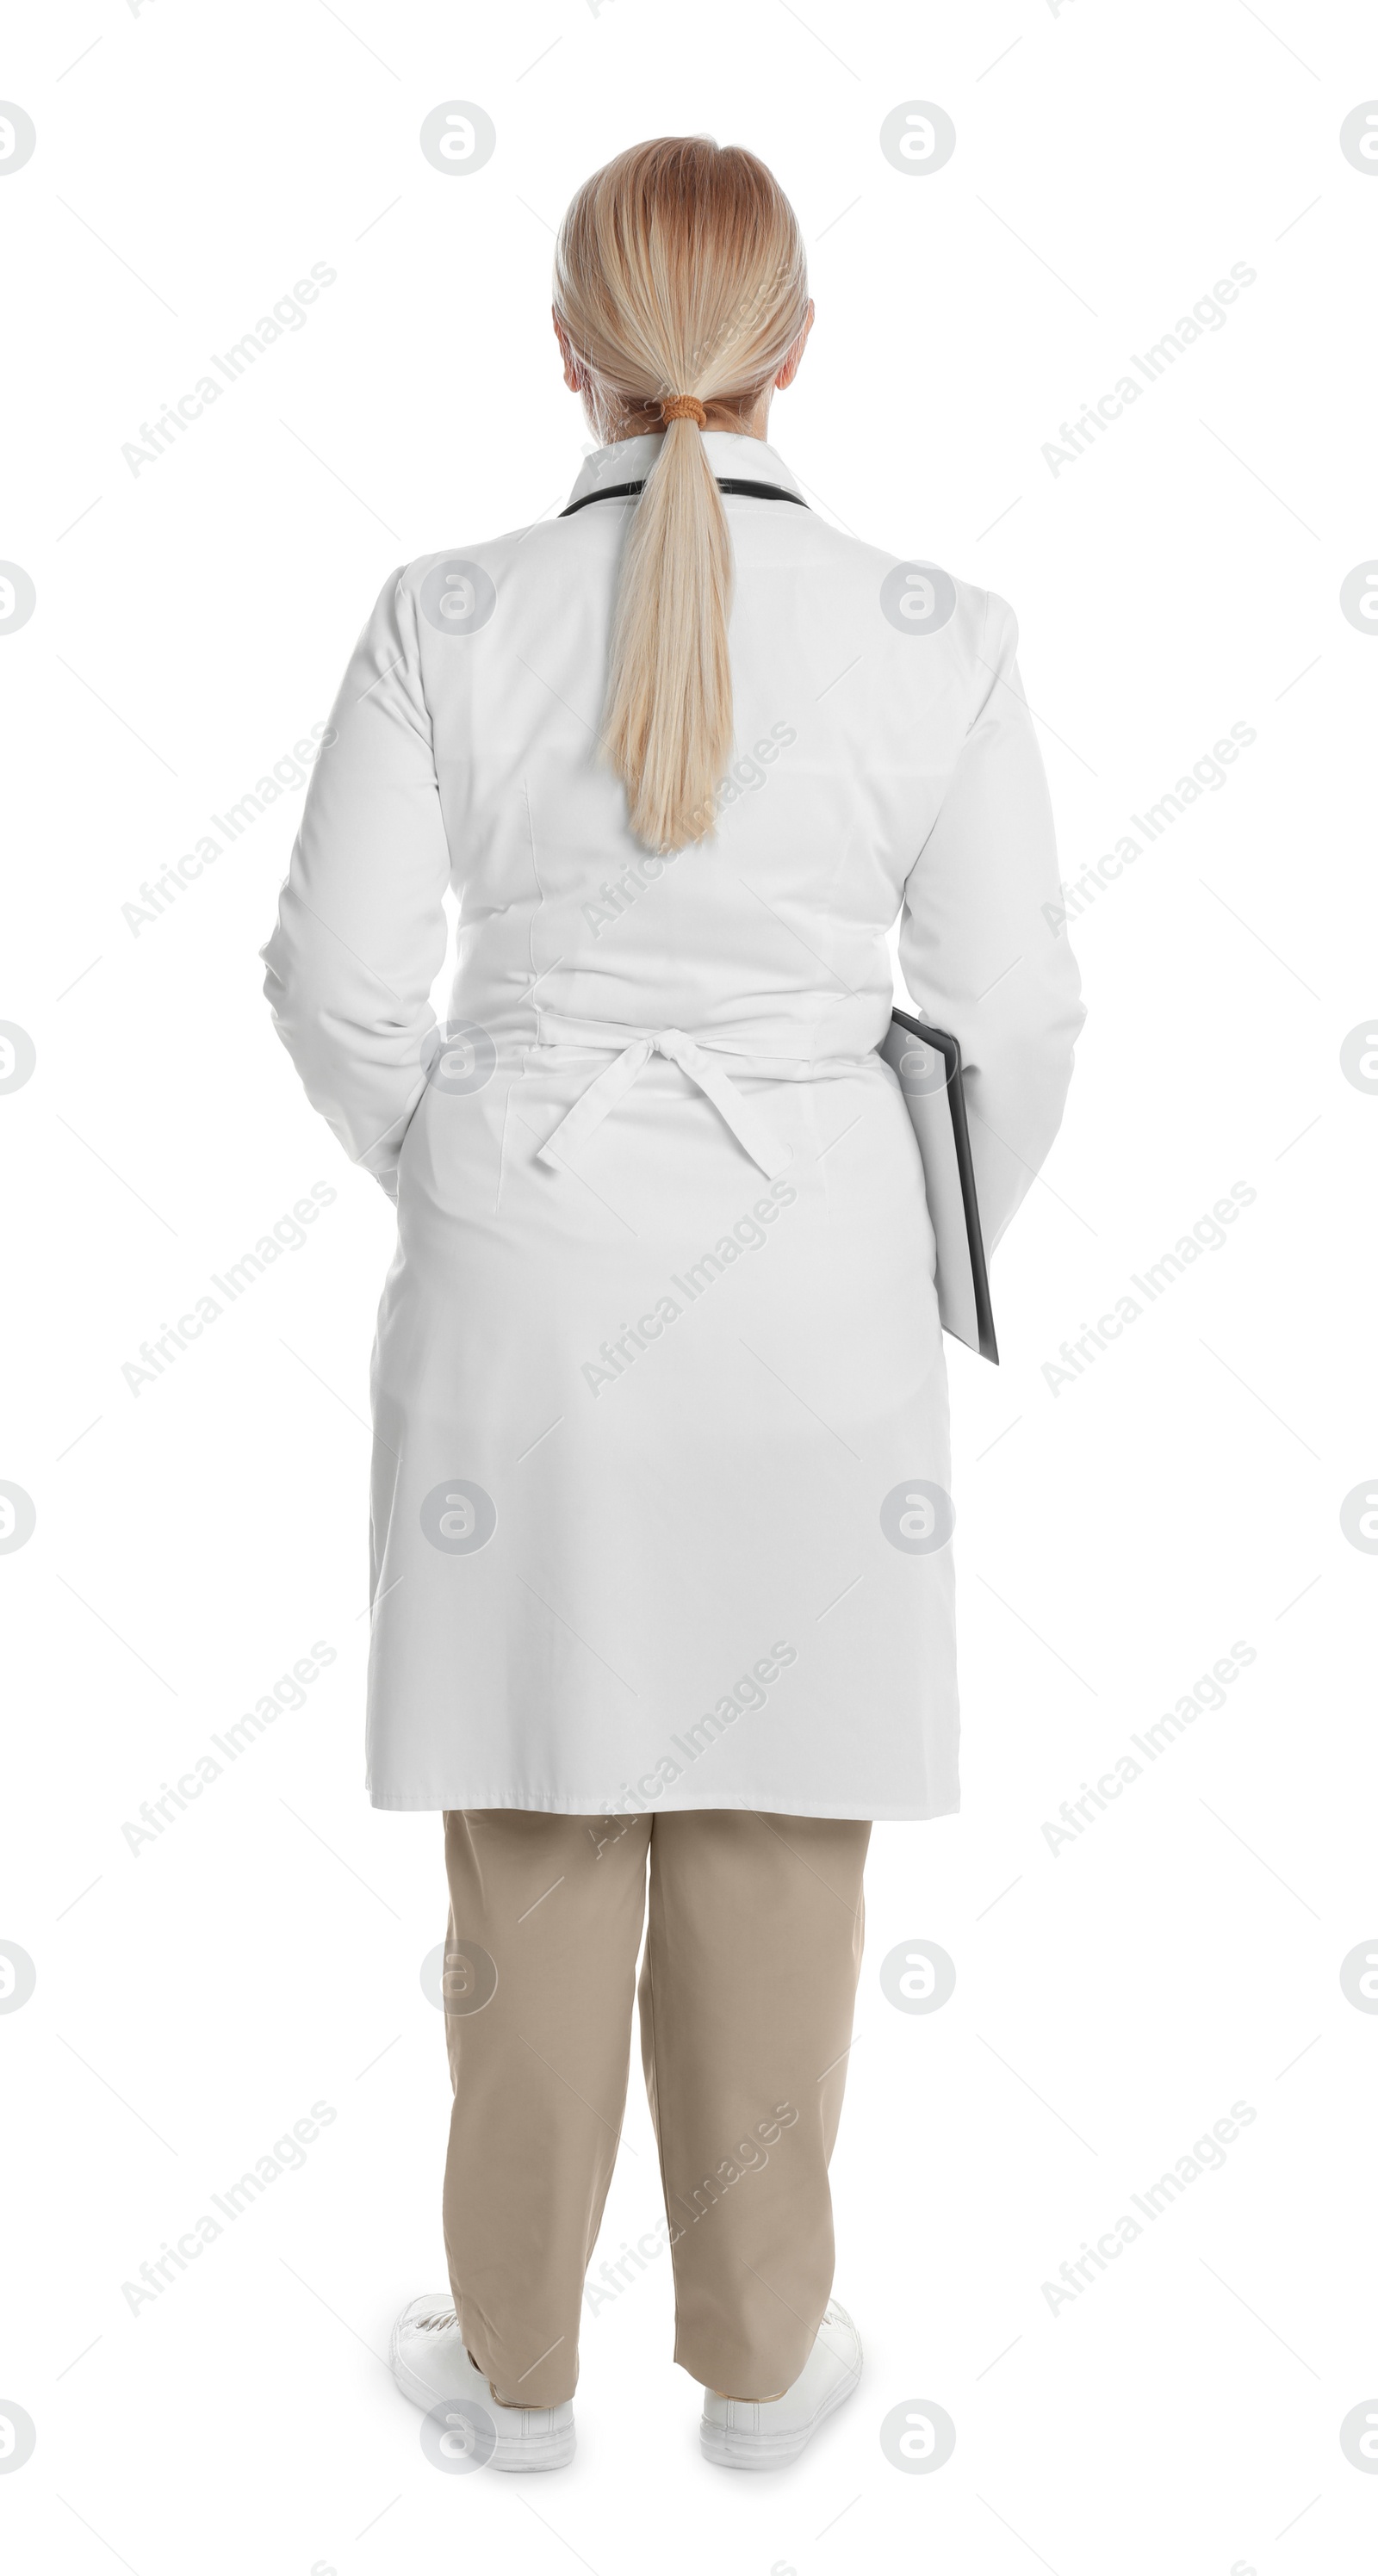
x,y
659,1395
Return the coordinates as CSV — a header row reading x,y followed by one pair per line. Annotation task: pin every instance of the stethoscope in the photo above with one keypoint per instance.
x,y
725,483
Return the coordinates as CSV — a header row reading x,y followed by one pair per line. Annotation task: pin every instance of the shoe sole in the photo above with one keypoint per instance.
x,y
728,2450
552,2450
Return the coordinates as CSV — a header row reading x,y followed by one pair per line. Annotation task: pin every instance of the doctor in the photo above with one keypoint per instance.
x,y
661,1523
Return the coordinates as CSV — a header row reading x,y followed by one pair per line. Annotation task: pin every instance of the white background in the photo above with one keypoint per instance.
x,y
1115,1537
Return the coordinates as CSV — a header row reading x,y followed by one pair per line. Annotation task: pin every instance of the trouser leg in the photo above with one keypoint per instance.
x,y
551,1907
747,1993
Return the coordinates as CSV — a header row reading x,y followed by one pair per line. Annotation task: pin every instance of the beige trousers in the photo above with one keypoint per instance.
x,y
752,1954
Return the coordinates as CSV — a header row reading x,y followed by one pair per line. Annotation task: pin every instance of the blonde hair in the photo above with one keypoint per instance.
x,y
679,269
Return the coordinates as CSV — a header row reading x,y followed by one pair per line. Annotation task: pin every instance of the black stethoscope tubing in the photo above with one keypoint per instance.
x,y
725,483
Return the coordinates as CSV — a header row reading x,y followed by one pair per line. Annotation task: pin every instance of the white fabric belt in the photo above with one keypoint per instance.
x,y
753,1133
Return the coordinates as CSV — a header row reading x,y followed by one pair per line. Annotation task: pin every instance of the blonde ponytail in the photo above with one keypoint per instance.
x,y
679,270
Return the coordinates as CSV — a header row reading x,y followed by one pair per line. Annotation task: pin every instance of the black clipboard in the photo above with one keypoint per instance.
x,y
927,1064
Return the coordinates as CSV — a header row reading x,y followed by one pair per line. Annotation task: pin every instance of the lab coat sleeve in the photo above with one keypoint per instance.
x,y
361,929
983,942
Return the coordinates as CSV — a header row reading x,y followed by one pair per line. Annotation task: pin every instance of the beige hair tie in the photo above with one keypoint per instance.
x,y
683,407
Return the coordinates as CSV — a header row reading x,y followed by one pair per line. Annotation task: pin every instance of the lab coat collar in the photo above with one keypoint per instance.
x,y
629,460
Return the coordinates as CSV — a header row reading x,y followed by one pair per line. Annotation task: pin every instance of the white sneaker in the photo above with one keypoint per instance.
x,y
430,2365
767,2433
